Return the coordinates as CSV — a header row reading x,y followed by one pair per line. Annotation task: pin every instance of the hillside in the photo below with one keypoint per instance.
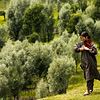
x,y
77,88
75,91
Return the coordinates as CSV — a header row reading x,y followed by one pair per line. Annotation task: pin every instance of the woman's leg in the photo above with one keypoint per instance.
x,y
90,85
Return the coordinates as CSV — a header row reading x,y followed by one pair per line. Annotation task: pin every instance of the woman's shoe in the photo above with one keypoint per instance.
x,y
86,93
90,91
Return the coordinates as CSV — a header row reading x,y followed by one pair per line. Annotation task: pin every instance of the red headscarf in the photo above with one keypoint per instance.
x,y
87,43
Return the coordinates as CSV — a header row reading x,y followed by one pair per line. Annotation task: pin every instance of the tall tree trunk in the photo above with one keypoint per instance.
x,y
76,65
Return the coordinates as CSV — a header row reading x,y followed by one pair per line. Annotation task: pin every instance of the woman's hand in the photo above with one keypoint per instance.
x,y
83,48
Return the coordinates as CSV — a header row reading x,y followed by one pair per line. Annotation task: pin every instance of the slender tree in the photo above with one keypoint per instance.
x,y
64,16
97,32
15,13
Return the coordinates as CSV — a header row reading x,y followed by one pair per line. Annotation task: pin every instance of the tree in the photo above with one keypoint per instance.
x,y
70,52
33,37
97,9
48,11
33,2
33,21
97,32
89,23
64,16
82,4
15,13
2,37
91,11
59,72
58,47
74,19
14,62
80,27
42,89
15,80
4,89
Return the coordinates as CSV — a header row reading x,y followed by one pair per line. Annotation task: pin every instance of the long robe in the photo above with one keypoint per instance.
x,y
88,61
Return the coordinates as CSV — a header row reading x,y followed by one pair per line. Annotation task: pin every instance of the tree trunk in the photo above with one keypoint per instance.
x,y
76,65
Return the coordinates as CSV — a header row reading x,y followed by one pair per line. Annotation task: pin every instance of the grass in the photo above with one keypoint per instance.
x,y
2,21
30,93
77,87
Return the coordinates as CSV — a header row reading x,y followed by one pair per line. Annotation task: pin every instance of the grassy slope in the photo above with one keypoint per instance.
x,y
2,21
77,87
3,7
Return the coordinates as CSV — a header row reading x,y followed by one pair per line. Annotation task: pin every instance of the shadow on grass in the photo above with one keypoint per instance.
x,y
95,93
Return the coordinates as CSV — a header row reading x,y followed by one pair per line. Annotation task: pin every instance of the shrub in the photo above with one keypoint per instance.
x,y
42,89
2,37
59,73
15,13
64,16
4,89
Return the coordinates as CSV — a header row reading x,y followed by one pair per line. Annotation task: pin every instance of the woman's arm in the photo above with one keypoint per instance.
x,y
93,50
78,47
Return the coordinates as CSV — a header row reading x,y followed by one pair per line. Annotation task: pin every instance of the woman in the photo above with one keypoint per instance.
x,y
88,60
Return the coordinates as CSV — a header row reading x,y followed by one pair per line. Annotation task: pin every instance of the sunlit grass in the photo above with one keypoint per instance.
x,y
76,91
30,93
2,21
1,18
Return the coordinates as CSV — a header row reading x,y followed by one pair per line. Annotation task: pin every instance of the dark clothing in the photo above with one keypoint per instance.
x,y
90,85
88,61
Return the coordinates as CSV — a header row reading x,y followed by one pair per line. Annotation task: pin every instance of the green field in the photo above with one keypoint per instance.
x,y
3,7
77,87
2,21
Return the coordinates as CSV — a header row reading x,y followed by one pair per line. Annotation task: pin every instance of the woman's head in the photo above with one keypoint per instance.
x,y
85,36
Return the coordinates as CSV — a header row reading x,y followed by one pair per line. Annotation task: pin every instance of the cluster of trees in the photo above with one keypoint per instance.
x,y
33,22
24,61
23,64
38,19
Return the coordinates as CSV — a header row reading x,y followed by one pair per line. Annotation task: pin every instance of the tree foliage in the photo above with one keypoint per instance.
x,y
89,23
80,27
59,73
74,19
15,13
97,9
64,16
42,89
41,23
24,63
4,89
90,11
33,21
97,32
2,37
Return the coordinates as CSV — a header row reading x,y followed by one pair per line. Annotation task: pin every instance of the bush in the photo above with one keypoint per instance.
x,y
33,21
42,58
33,37
97,32
42,89
64,16
59,73
2,37
15,14
4,89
